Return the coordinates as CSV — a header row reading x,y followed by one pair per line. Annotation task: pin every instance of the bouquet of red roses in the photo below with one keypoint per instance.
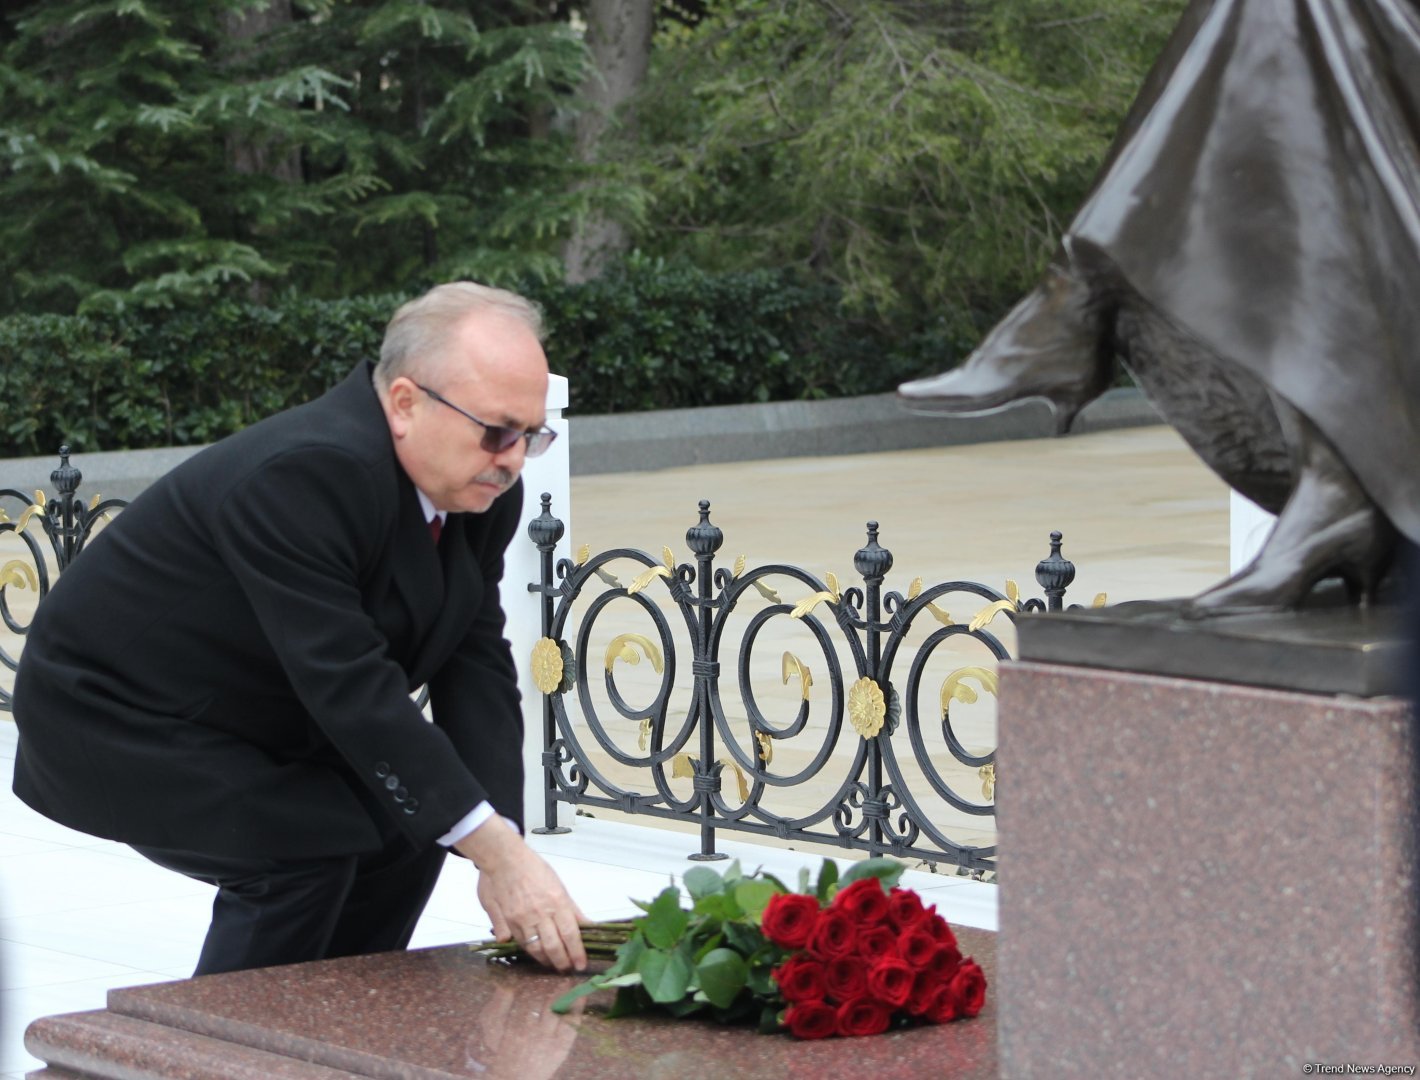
x,y
868,959
851,956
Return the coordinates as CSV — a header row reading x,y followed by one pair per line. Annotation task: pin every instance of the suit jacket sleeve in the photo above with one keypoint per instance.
x,y
475,694
300,535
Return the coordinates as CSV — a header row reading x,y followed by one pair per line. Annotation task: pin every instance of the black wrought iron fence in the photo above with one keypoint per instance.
x,y
872,769
64,524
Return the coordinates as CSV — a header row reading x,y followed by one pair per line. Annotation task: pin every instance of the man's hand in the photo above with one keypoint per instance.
x,y
524,897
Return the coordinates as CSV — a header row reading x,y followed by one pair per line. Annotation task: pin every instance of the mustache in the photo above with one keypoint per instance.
x,y
497,475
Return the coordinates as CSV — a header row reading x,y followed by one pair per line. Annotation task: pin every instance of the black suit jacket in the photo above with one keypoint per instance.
x,y
227,666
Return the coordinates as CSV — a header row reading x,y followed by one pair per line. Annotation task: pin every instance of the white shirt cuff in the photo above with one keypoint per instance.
x,y
470,821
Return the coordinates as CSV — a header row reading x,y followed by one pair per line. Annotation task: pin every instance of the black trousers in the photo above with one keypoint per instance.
x,y
270,912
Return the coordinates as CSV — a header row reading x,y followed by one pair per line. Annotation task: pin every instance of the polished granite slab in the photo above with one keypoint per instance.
x,y
447,1012
1203,879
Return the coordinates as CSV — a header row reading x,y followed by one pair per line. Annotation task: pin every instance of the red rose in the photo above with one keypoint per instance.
x,y
811,1019
938,928
944,962
863,1017
864,901
917,947
789,919
924,991
876,942
905,909
890,981
943,1007
833,935
800,979
846,978
968,987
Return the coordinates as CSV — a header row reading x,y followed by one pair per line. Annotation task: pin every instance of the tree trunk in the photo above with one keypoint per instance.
x,y
244,155
619,35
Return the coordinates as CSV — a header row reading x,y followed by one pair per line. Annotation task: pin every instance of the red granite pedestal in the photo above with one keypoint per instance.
x,y
447,1012
1201,879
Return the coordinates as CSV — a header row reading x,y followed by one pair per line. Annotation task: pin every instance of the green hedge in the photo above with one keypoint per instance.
x,y
648,336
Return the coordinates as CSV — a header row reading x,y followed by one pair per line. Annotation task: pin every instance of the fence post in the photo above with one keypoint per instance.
x,y
551,473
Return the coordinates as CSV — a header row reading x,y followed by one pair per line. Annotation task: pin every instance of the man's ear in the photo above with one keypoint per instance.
x,y
399,402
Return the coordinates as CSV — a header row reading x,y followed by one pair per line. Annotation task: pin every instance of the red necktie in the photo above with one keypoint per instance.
x,y
436,527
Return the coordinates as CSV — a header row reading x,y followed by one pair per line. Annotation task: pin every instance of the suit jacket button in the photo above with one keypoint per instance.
x,y
382,769
400,794
391,782
411,807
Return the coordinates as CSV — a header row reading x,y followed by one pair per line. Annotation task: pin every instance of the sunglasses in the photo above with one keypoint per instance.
x,y
496,437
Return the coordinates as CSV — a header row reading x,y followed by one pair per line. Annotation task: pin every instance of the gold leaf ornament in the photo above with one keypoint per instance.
x,y
828,596
988,781
792,667
955,689
866,707
915,590
739,567
683,767
645,578
989,612
768,593
668,557
18,574
1013,591
36,510
620,648
1100,600
766,746
741,782
583,554
644,739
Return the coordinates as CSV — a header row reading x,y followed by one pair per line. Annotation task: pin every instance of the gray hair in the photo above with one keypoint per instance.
x,y
421,328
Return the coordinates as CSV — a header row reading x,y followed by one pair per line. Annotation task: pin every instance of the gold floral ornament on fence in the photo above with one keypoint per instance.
x,y
553,666
867,709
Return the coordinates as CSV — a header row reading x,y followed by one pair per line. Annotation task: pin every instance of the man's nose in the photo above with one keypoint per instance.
x,y
513,458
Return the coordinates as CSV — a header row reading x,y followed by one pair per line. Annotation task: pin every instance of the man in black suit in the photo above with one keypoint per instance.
x,y
223,678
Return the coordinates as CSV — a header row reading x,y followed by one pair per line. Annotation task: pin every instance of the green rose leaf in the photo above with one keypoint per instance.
x,y
562,1004
722,976
665,976
702,881
665,919
888,871
754,897
827,879
745,940
720,906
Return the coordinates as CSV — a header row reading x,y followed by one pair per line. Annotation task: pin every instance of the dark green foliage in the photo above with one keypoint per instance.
x,y
141,379
153,156
649,336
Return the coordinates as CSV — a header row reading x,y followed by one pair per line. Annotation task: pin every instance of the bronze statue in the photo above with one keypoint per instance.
x,y
1251,252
